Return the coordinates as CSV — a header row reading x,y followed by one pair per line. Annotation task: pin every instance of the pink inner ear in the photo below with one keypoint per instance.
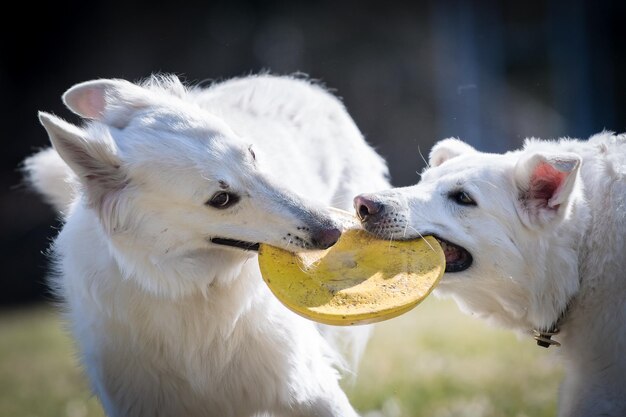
x,y
544,182
88,102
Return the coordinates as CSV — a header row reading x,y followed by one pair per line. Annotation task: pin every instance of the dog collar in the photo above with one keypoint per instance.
x,y
544,337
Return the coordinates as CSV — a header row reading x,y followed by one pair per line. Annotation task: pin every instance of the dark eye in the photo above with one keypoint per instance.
x,y
462,198
252,152
223,200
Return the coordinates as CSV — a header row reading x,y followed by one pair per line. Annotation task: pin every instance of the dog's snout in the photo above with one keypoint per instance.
x,y
326,237
366,207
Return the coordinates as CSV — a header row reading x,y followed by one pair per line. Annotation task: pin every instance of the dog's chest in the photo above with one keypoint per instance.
x,y
214,354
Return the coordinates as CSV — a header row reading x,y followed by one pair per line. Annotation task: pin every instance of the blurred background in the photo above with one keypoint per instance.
x,y
409,73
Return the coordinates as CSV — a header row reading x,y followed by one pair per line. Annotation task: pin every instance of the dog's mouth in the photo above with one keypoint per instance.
x,y
457,258
239,244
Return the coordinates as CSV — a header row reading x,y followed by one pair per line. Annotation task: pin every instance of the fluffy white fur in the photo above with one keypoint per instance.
x,y
547,236
168,323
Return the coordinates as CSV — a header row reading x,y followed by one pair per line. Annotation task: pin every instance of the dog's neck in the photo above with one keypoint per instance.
x,y
543,334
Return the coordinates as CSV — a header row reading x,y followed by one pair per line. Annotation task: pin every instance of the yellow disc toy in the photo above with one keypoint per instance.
x,y
361,279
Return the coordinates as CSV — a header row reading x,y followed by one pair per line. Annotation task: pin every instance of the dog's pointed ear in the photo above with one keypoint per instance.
x,y
110,101
93,160
447,149
546,183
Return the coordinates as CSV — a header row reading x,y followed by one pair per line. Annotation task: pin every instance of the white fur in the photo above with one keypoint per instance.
x,y
46,171
547,235
166,322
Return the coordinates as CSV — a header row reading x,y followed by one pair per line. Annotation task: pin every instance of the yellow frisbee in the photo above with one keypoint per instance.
x,y
359,280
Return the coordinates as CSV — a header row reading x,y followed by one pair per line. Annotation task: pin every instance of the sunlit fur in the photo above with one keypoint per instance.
x,y
539,250
167,323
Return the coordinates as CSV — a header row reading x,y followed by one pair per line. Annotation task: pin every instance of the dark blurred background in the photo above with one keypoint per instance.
x,y
409,73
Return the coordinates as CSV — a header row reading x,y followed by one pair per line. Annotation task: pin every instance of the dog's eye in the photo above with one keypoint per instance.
x,y
223,200
252,153
462,198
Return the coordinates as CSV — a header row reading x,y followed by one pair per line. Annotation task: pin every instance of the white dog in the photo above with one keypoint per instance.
x,y
175,189
534,240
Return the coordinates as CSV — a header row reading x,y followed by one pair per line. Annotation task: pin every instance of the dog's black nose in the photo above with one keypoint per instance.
x,y
326,237
366,207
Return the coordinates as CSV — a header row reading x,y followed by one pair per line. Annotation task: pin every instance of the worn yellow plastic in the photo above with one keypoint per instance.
x,y
360,280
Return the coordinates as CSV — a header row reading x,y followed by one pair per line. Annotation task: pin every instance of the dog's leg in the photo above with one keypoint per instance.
x,y
337,406
331,403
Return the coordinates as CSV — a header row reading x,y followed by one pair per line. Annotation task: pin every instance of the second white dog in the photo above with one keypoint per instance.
x,y
174,189
534,240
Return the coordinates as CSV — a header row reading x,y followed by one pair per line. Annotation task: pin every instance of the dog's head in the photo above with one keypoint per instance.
x,y
175,188
502,221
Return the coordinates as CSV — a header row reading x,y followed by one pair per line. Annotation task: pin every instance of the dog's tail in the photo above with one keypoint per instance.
x,y
50,176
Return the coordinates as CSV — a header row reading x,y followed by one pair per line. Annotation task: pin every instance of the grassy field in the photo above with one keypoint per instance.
x,y
431,362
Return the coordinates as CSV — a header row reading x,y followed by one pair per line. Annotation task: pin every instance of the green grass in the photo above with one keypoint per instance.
x,y
436,362
431,362
39,376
